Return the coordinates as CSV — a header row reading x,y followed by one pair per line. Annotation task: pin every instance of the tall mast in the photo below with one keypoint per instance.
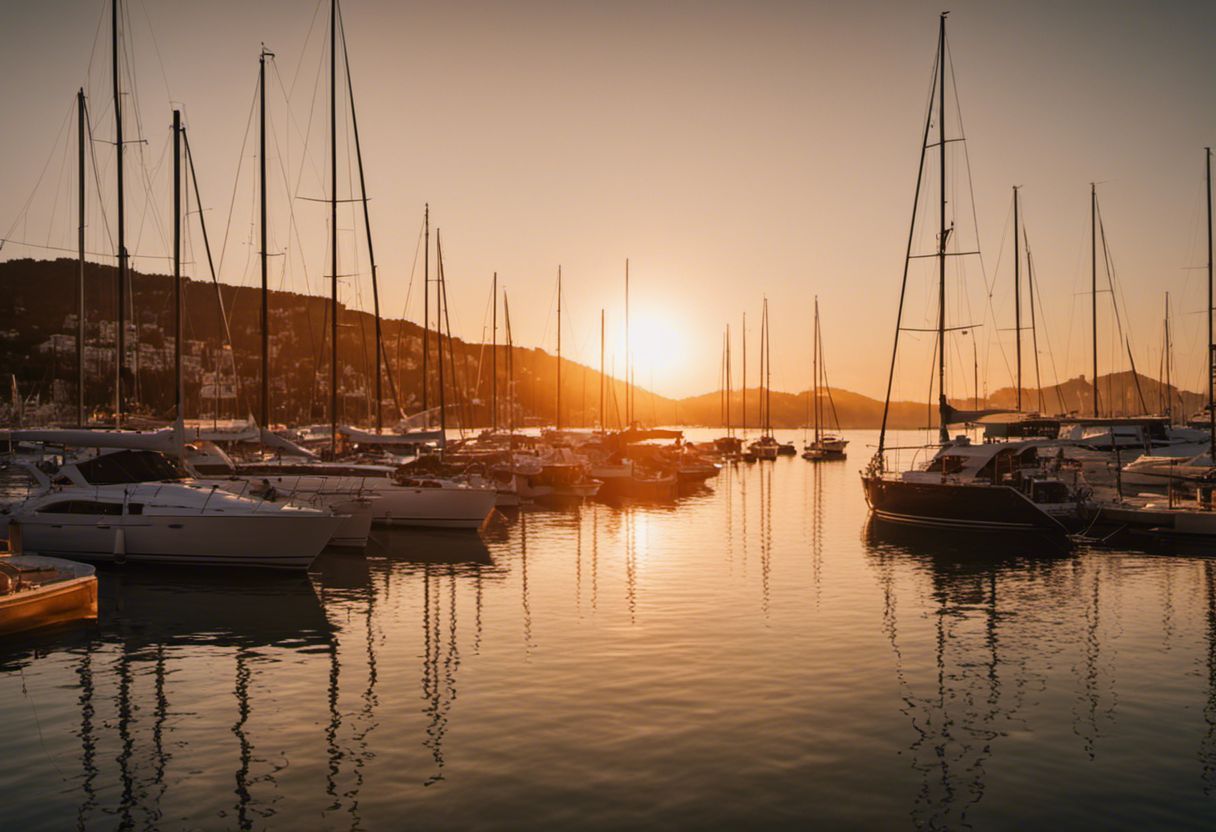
x,y
178,412
815,371
1017,292
264,419
557,419
878,462
1034,329
121,363
333,226
426,312
602,423
760,394
1169,399
371,252
80,115
506,311
767,377
1207,155
1093,274
744,413
494,360
729,382
628,386
943,430
443,414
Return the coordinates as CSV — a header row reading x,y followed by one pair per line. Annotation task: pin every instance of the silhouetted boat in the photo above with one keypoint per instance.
x,y
994,487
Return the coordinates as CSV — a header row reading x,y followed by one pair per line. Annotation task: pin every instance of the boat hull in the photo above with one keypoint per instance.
x,y
53,603
996,508
264,541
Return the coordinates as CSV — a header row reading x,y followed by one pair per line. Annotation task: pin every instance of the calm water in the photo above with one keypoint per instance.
x,y
754,656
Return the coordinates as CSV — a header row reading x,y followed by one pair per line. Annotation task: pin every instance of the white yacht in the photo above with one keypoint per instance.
x,y
138,506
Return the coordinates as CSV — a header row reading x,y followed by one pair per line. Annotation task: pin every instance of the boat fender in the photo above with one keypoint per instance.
x,y
120,547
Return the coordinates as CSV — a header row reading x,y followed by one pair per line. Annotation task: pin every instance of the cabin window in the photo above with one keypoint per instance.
x,y
81,507
129,466
135,508
946,464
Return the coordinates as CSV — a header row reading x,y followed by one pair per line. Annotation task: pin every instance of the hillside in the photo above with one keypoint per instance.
x,y
38,302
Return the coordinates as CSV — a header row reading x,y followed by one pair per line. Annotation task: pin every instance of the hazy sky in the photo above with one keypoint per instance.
x,y
729,149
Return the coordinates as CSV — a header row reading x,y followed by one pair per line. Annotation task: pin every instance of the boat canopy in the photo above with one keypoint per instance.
x,y
166,440
367,437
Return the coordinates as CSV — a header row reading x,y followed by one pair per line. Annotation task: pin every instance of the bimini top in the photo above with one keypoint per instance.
x,y
964,461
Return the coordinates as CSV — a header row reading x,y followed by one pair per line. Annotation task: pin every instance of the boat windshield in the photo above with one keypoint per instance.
x,y
130,466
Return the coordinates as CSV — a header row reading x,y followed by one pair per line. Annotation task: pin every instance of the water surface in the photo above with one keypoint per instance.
x,y
756,655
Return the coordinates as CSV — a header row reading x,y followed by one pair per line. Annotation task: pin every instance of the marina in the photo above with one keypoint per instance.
x,y
294,537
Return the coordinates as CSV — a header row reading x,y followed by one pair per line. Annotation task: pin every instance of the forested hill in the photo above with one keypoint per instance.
x,y
39,299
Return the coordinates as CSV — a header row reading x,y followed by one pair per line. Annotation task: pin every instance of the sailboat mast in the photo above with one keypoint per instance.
x,y
557,419
768,377
943,429
333,226
744,413
1093,274
1034,329
1207,155
80,115
121,363
371,252
506,311
628,385
178,412
494,359
602,423
264,419
443,414
426,312
815,373
1168,396
729,428
1017,291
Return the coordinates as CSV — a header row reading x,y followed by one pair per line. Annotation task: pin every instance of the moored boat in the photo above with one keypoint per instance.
x,y
38,591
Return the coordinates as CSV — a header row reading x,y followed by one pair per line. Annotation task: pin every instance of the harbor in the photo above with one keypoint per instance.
x,y
509,464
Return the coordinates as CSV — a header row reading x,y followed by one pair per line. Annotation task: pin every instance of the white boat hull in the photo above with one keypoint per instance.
x,y
291,541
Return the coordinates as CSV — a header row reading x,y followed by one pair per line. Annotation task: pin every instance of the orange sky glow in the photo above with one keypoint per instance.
x,y
730,150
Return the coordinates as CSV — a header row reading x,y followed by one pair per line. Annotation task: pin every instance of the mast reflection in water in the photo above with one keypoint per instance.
x,y
756,654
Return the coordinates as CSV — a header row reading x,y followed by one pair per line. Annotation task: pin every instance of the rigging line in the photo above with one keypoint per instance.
x,y
27,244
101,16
156,49
991,308
970,180
56,191
305,132
293,232
236,183
405,307
45,166
105,220
312,25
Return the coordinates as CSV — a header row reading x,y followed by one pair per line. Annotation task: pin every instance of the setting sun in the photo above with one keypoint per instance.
x,y
658,348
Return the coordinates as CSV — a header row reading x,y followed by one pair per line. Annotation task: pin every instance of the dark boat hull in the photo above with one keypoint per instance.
x,y
977,507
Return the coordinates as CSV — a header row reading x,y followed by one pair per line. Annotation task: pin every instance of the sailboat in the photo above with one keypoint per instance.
x,y
1174,517
824,445
766,447
993,486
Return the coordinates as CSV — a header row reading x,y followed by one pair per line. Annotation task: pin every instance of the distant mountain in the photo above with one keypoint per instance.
x,y
38,306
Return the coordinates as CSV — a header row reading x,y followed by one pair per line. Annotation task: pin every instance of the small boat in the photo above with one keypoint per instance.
x,y
824,446
645,485
37,591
